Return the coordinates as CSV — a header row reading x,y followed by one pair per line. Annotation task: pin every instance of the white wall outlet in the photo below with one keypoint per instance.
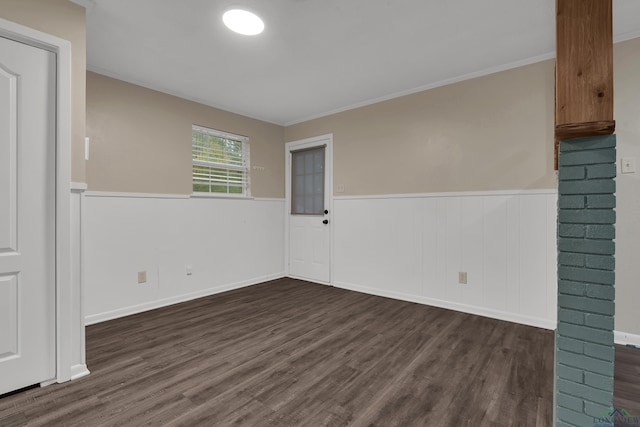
x,y
628,164
339,188
189,270
462,277
142,277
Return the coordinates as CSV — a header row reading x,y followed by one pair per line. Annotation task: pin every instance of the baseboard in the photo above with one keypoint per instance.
x,y
134,309
624,338
79,371
480,311
48,382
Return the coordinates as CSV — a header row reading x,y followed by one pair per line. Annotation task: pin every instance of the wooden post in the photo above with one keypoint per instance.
x,y
585,353
584,68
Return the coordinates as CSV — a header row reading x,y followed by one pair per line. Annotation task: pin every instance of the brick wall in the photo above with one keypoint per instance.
x,y
586,229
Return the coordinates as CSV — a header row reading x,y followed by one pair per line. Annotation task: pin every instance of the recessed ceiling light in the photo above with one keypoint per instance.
x,y
243,22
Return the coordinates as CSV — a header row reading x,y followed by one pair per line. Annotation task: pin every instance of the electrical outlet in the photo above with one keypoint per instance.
x,y
340,188
462,277
142,277
189,270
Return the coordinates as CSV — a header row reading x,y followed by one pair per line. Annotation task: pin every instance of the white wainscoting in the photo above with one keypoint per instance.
x,y
411,247
229,243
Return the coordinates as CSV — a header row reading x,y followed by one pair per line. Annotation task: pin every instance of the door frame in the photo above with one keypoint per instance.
x,y
63,283
321,139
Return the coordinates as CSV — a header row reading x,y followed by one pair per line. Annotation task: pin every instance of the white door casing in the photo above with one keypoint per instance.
x,y
63,286
308,239
27,215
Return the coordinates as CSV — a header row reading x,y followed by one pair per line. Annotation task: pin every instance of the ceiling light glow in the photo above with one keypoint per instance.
x,y
243,22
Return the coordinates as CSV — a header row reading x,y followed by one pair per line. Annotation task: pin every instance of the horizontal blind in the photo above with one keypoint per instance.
x,y
220,161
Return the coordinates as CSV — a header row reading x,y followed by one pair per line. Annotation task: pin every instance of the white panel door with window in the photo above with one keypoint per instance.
x,y
309,196
27,215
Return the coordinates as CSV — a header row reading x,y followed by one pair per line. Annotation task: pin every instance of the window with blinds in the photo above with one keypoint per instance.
x,y
220,162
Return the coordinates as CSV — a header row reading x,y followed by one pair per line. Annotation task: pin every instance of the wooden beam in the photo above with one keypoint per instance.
x,y
584,68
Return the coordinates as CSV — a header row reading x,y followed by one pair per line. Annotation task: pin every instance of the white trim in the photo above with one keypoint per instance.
x,y
134,309
450,194
135,195
624,338
78,187
177,94
253,199
445,82
225,196
304,279
62,49
328,139
79,371
219,133
464,308
269,199
48,383
626,36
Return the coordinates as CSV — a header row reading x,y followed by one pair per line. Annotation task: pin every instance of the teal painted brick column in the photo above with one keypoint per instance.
x,y
586,277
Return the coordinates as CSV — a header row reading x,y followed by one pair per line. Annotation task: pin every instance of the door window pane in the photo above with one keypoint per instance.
x,y
307,182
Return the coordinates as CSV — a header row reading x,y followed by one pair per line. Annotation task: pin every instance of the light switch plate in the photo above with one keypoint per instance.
x,y
628,165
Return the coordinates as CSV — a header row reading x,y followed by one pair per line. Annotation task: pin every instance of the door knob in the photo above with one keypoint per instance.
x,y
326,221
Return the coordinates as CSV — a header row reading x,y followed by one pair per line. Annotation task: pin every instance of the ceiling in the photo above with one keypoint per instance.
x,y
317,57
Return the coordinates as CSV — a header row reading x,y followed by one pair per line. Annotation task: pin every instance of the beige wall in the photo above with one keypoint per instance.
x,y
489,133
141,140
626,57
66,20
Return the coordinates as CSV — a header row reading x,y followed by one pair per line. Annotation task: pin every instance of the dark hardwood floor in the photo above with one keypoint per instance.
x,y
627,379
290,353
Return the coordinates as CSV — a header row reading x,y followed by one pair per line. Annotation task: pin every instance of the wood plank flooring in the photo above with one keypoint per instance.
x,y
627,379
291,353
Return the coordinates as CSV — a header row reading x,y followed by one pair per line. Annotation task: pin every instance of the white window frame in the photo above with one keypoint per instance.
x,y
244,168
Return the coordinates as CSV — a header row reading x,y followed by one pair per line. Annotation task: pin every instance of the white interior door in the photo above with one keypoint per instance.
x,y
309,196
27,215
